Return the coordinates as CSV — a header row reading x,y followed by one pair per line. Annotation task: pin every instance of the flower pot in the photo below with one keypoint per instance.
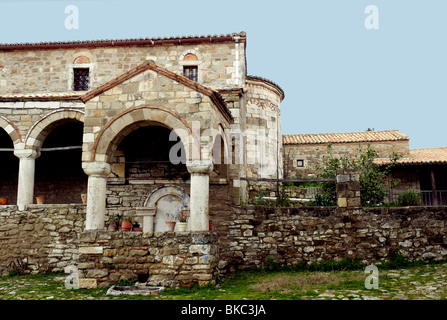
x,y
84,198
3,201
181,226
170,225
113,226
40,200
126,225
137,229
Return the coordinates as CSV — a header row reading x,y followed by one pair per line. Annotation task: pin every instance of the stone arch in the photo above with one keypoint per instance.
x,y
155,196
11,130
42,127
121,125
166,202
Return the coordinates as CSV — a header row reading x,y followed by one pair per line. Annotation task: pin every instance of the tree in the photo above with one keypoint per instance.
x,y
373,177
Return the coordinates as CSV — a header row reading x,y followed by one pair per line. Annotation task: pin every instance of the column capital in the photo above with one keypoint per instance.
x,y
26,153
96,168
199,166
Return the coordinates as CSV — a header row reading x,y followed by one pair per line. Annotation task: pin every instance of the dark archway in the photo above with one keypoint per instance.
x,y
59,175
9,173
147,153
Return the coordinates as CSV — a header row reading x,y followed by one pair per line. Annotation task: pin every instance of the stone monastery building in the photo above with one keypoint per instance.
x,y
151,128
164,124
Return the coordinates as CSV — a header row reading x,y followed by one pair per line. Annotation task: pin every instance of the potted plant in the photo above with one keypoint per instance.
x,y
113,224
126,224
40,199
183,221
84,196
170,221
136,227
3,200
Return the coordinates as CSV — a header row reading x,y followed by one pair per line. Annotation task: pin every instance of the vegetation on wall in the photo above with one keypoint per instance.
x,y
374,180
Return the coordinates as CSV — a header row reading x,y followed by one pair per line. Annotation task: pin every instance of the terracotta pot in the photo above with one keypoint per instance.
x,y
84,198
126,225
40,200
113,227
170,225
3,201
137,229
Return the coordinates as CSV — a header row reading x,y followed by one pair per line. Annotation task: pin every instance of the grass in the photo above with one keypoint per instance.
x,y
399,279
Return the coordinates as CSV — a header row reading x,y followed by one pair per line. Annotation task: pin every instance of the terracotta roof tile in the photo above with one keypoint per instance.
x,y
422,156
348,137
42,96
123,42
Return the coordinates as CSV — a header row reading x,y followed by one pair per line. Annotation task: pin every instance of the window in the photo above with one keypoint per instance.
x,y
300,163
81,78
190,72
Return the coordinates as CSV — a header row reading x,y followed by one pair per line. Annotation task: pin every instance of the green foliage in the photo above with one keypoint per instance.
x,y
282,200
373,177
409,198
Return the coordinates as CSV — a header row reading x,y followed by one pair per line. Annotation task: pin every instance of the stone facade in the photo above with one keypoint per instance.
x,y
313,155
161,259
44,238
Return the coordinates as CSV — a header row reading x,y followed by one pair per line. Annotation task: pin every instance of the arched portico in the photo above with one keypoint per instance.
x,y
106,143
28,150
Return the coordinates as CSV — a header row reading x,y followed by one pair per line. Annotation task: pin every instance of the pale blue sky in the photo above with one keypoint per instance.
x,y
337,75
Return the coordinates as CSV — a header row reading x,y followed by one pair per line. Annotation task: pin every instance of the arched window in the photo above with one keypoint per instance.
x,y
81,74
190,65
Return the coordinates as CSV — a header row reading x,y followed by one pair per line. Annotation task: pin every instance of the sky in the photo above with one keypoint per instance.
x,y
339,74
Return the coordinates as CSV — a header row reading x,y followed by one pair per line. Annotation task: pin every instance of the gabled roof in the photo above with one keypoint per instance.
x,y
150,65
348,137
422,157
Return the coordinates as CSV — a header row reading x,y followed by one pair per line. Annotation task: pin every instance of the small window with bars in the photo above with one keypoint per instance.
x,y
81,78
190,72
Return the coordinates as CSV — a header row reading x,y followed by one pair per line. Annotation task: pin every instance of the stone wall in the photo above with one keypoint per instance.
x,y
313,155
47,238
309,234
39,70
161,259
44,238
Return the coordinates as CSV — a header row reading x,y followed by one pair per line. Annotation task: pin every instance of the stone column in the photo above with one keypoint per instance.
x,y
199,195
96,194
348,189
27,165
148,214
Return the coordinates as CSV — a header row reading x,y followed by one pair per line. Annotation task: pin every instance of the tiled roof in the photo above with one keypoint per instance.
x,y
256,78
348,137
43,96
124,42
421,157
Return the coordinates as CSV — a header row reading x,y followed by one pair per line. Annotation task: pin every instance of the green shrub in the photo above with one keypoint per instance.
x,y
409,198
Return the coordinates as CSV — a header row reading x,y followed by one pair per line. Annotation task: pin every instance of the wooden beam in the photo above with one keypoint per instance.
x,y
433,188
287,180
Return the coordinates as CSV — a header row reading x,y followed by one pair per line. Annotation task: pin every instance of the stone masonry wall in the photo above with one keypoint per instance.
x,y
44,238
314,154
160,259
309,234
